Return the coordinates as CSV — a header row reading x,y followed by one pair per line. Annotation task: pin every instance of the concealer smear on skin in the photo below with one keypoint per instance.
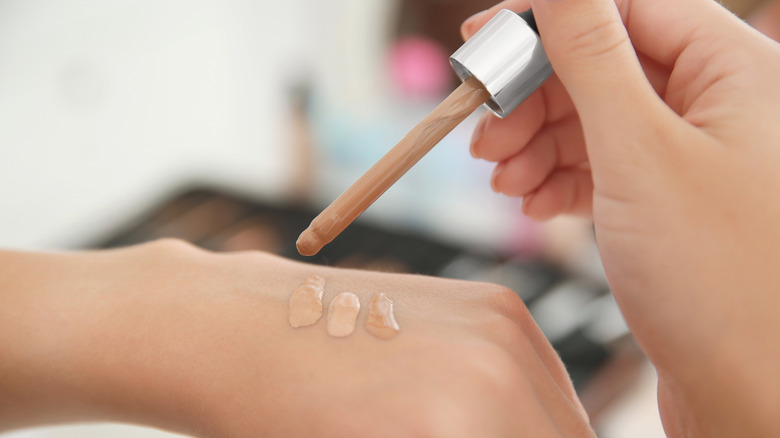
x,y
306,302
381,321
342,314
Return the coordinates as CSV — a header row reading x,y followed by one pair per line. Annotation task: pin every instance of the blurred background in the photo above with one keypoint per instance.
x,y
232,123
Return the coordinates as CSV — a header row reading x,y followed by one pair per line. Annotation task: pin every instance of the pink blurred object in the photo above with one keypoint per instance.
x,y
419,67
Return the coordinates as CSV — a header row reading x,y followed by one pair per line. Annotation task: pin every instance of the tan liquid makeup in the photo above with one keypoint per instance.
x,y
501,65
342,314
306,302
306,309
381,321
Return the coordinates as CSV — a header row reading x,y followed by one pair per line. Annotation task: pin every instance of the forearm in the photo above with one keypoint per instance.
x,y
61,353
174,337
31,348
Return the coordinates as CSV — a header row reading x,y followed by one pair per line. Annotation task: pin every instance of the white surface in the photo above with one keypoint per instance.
x,y
91,430
635,414
106,106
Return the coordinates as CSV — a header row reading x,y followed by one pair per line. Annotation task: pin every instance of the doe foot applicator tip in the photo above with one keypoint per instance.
x,y
309,243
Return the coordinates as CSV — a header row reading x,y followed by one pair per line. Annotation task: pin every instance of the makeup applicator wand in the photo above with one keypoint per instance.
x,y
500,66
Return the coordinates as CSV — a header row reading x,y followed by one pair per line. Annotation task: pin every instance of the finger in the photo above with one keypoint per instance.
x,y
557,103
659,29
476,21
657,74
662,29
557,146
497,139
656,53
591,53
566,191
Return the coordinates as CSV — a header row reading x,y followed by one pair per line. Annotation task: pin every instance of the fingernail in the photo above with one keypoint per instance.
x,y
468,25
494,176
479,131
527,203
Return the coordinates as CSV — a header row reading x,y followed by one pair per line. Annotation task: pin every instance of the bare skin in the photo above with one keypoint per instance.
x,y
673,153
670,141
168,335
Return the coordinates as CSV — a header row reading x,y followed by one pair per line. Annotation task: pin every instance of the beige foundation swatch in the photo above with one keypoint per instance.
x,y
342,314
306,302
381,321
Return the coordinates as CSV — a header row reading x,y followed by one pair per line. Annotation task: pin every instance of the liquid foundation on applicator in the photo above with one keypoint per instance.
x,y
342,314
381,320
421,139
306,302
501,65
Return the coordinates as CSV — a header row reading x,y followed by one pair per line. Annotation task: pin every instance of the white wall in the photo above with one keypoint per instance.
x,y
107,106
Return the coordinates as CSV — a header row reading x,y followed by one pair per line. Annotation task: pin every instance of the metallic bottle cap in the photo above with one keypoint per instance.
x,y
507,57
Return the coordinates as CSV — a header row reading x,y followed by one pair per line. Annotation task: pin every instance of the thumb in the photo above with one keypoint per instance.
x,y
590,51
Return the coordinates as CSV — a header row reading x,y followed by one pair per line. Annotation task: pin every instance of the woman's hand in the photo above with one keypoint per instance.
x,y
663,123
175,337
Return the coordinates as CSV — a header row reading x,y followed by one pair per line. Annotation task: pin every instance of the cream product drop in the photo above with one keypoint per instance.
x,y
306,302
381,321
342,314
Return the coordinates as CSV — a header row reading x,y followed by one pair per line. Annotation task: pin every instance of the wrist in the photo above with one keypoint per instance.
x,y
182,328
75,346
43,323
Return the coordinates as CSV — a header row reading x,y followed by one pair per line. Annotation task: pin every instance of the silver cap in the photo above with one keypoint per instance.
x,y
507,57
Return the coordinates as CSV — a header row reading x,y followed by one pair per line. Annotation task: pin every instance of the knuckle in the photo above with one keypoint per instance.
x,y
482,379
445,417
498,372
488,368
169,245
601,38
507,302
